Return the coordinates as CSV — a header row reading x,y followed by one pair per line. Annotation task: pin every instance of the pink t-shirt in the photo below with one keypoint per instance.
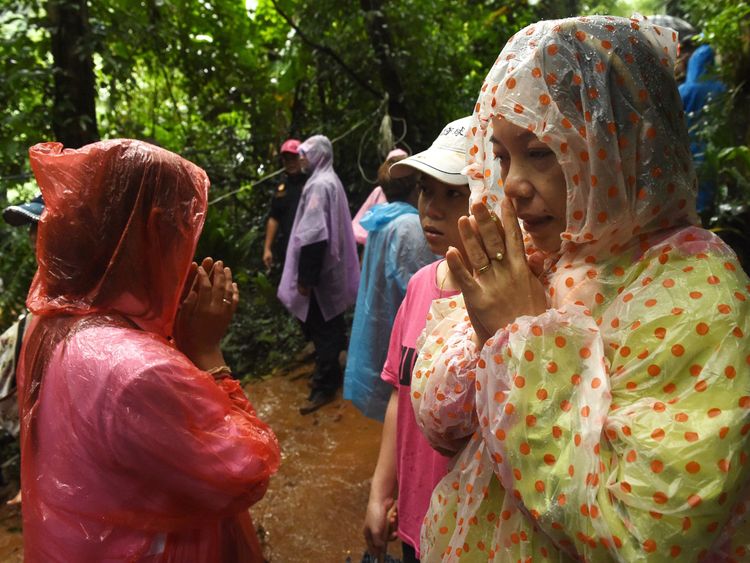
x,y
419,468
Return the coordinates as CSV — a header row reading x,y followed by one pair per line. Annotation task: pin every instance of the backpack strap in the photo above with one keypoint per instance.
x,y
19,341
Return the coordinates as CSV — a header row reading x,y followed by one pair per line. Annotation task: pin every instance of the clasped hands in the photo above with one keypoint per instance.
x,y
210,299
501,285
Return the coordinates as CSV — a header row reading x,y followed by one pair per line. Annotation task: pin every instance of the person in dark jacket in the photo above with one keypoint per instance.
x,y
283,206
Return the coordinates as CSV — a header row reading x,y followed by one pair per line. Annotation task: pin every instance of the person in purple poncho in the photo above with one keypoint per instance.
x,y
321,271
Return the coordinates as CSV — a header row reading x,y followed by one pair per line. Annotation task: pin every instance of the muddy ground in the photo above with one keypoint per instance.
x,y
314,507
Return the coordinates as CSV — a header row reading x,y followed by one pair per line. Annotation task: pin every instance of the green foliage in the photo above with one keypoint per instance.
x,y
727,166
17,270
649,7
725,123
223,86
25,90
442,51
264,336
726,27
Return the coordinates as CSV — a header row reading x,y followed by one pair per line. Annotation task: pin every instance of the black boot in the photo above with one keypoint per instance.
x,y
317,399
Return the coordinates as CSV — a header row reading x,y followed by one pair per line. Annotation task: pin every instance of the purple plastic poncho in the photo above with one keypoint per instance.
x,y
322,215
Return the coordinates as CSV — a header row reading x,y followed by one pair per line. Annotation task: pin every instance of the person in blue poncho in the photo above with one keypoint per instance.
x,y
697,91
395,250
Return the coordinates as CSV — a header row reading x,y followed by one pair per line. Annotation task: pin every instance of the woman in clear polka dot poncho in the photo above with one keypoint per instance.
x,y
600,392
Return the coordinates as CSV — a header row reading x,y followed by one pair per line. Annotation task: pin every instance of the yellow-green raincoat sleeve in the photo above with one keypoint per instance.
x,y
624,436
443,380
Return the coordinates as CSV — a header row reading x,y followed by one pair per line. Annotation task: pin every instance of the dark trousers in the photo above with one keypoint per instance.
x,y
409,553
329,338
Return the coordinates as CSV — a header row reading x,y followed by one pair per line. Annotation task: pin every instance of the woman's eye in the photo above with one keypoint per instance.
x,y
540,153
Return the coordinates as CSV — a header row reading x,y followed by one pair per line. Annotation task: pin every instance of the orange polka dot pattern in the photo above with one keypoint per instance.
x,y
454,391
615,426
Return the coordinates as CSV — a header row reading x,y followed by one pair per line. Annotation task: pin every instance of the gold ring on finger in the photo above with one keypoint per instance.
x,y
484,268
227,301
499,256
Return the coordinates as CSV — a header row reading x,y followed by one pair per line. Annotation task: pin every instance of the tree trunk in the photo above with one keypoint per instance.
x,y
74,112
298,111
321,90
382,44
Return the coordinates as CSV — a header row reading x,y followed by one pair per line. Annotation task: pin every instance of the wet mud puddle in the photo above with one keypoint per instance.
x,y
315,506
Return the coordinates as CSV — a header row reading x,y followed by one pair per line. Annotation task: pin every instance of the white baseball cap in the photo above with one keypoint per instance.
x,y
444,160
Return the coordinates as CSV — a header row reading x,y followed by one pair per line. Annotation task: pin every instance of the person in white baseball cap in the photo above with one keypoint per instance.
x,y
444,160
408,468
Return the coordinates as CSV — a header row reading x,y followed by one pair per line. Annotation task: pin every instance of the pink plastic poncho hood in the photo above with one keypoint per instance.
x,y
120,228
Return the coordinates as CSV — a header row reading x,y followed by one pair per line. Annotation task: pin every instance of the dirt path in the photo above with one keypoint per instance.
x,y
11,541
314,507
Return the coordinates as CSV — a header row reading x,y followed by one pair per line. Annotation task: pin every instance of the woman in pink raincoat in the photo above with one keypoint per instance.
x,y
599,393
135,446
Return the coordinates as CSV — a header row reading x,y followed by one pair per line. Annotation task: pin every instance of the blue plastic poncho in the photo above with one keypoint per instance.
x,y
395,250
697,91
